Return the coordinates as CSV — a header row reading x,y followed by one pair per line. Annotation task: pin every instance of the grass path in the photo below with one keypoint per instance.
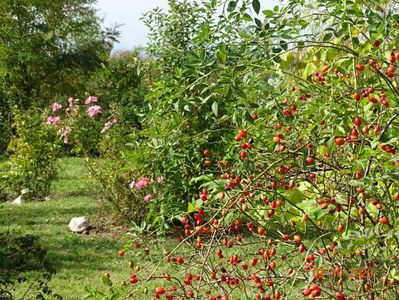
x,y
79,260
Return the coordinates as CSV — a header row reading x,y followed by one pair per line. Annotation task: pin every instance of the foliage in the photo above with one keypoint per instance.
x,y
81,129
32,157
272,134
172,33
5,126
119,88
21,254
286,118
120,84
47,47
190,99
47,50
113,170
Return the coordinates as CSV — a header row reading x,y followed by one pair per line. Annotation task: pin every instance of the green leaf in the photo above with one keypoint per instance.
x,y
194,206
215,108
248,118
295,196
232,6
222,54
268,13
327,37
354,182
247,17
256,6
106,280
394,274
303,24
214,185
204,34
284,45
258,22
228,218
207,177
309,69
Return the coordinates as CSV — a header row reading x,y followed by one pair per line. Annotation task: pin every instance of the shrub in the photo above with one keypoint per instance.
x,y
135,194
18,256
5,130
121,86
300,194
113,170
32,155
94,131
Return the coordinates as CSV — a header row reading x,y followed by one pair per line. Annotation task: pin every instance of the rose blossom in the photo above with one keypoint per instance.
x,y
108,125
93,111
148,198
56,107
144,182
64,133
53,120
91,99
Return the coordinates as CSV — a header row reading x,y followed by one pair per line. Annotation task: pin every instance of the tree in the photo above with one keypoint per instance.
x,y
46,45
47,48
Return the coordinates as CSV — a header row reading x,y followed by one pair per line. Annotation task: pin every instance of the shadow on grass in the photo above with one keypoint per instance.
x,y
78,253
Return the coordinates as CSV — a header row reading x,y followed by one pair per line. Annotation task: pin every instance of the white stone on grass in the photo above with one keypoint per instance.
x,y
79,224
17,201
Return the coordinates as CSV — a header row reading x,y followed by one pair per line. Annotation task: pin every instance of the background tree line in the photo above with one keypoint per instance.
x,y
47,49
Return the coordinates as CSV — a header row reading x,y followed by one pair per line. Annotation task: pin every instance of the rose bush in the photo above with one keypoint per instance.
x,y
32,157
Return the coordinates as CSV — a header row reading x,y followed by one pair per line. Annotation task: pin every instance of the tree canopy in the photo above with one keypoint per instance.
x,y
47,48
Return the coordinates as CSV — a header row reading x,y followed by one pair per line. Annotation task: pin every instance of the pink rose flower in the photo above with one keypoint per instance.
x,y
93,111
64,133
148,198
56,107
53,120
91,100
144,182
108,125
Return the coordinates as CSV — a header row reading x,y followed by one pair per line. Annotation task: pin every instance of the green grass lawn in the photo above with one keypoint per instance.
x,y
78,259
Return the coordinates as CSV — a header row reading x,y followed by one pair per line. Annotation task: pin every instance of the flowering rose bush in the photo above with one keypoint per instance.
x,y
77,127
33,154
135,201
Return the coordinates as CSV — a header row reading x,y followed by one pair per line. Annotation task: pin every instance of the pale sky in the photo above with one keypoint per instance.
x,y
128,14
